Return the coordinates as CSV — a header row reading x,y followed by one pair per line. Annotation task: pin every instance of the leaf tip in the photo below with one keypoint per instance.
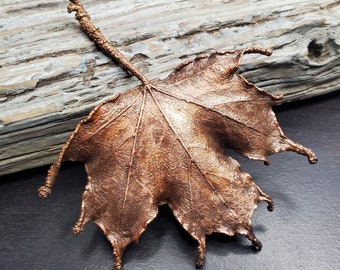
x,y
270,206
300,149
312,158
44,191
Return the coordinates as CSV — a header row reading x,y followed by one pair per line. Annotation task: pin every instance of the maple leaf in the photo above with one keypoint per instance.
x,y
163,143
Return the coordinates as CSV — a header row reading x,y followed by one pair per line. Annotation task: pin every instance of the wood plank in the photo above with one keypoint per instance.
x,y
52,75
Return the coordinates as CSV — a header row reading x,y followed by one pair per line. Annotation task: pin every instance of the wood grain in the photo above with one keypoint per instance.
x,y
52,75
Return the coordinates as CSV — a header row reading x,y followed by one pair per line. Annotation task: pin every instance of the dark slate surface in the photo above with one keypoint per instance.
x,y
302,233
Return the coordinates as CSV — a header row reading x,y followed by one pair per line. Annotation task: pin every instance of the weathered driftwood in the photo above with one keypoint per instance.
x,y
52,75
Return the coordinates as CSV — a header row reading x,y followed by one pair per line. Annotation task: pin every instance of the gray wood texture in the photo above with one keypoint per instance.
x,y
52,75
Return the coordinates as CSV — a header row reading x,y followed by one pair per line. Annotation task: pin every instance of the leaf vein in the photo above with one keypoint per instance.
x,y
213,110
215,191
133,152
103,126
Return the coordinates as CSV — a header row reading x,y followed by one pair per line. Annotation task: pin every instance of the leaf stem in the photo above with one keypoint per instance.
x,y
99,39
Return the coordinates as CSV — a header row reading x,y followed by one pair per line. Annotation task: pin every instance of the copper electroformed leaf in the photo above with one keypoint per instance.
x,y
163,142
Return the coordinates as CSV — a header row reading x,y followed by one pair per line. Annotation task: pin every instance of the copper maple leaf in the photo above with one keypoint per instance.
x,y
163,143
